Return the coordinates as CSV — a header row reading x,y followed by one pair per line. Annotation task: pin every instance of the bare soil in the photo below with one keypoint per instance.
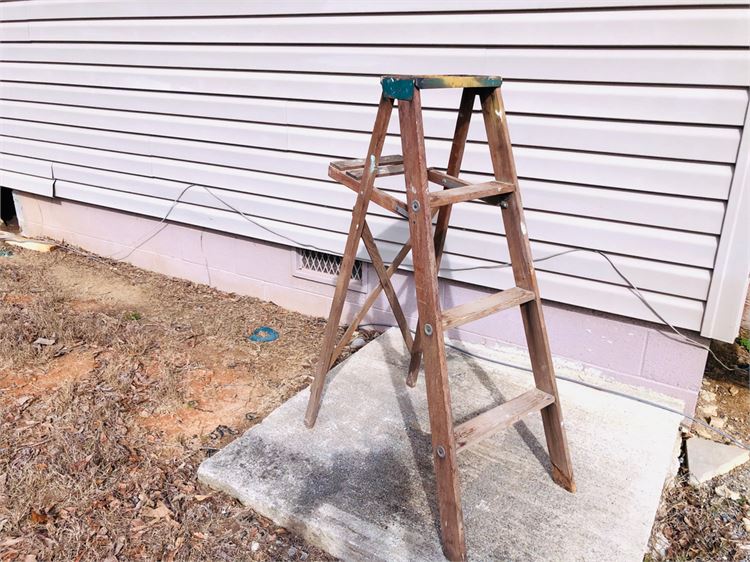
x,y
101,431
711,522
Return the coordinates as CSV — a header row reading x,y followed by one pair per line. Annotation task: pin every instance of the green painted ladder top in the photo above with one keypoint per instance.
x,y
402,87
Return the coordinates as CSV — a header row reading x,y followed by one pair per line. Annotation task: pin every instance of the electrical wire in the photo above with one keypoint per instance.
x,y
699,421
162,225
631,286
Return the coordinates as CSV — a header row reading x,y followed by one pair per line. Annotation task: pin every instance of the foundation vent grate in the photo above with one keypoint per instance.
x,y
325,264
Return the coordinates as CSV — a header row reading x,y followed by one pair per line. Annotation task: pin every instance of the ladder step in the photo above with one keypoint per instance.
x,y
352,164
381,171
387,166
469,192
465,313
500,417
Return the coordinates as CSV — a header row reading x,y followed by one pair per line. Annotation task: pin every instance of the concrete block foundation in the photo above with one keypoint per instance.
x,y
632,351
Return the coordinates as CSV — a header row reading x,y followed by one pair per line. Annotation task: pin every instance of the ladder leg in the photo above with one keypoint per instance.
x,y
525,277
441,228
436,377
347,261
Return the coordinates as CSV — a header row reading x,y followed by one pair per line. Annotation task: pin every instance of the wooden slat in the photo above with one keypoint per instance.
x,y
369,301
385,282
378,196
522,262
359,163
485,306
357,224
445,179
380,171
428,304
469,193
458,146
487,423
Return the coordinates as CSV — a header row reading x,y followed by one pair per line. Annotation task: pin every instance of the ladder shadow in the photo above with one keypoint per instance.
x,y
535,446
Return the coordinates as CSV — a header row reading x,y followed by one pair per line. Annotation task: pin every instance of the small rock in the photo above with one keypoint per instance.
x,y
710,410
734,391
725,492
292,551
358,343
746,523
708,459
302,555
708,396
255,546
44,341
718,422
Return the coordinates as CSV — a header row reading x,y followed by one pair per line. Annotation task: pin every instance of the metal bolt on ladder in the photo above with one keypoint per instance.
x,y
427,246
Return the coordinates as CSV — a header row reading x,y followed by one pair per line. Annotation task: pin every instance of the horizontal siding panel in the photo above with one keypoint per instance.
x,y
683,27
717,144
687,248
673,177
720,106
23,165
565,230
25,183
697,215
727,67
88,9
626,123
600,296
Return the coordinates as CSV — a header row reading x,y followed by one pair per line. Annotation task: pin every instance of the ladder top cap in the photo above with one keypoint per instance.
x,y
402,87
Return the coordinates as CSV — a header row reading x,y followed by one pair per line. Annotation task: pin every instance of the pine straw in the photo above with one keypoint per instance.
x,y
81,477
696,524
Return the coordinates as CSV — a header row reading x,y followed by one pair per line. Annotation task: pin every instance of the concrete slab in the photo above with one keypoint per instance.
x,y
361,485
708,459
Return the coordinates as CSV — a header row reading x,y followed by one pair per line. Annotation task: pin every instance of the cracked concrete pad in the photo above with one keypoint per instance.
x,y
361,485
708,459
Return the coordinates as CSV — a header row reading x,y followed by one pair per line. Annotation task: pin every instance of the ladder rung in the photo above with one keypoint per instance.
x,y
500,417
465,313
382,198
380,171
346,165
469,192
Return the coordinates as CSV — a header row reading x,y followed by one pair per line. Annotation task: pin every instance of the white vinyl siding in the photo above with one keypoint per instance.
x,y
626,119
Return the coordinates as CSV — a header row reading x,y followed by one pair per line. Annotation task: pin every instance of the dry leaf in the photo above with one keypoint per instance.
x,y
159,512
38,518
11,542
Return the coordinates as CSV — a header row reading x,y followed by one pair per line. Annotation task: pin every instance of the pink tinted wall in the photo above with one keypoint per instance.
x,y
631,351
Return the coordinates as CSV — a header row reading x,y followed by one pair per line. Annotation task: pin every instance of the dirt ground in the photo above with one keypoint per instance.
x,y
711,522
115,383
103,421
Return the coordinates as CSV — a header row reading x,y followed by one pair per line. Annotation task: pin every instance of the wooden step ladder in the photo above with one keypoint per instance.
x,y
427,246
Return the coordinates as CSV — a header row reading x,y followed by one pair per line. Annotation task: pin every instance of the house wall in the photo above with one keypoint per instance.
x,y
635,352
626,118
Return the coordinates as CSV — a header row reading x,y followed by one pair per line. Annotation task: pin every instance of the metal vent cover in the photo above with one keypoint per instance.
x,y
325,268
